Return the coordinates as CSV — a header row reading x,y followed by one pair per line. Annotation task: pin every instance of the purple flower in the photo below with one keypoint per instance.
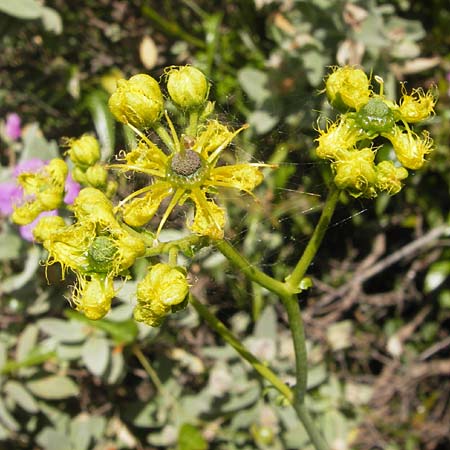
x,y
12,126
30,165
72,190
11,194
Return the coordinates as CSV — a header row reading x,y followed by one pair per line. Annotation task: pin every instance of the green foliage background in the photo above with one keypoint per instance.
x,y
378,342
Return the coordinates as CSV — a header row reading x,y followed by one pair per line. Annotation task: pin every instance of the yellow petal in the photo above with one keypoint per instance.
x,y
244,177
209,218
140,210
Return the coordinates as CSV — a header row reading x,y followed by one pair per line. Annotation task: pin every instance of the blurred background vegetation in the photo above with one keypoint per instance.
x,y
377,319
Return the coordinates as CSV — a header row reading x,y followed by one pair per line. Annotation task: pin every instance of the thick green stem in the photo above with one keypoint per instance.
x,y
251,271
293,281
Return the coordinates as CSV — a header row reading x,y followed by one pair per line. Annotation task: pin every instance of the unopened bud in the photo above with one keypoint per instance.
x,y
187,86
347,87
84,151
137,101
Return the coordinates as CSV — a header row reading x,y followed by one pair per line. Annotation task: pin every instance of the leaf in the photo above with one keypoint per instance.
x,y
15,282
21,396
190,438
124,332
36,146
10,245
97,103
26,342
116,368
21,9
85,428
339,335
95,354
51,439
262,121
63,330
54,387
437,273
52,20
266,327
6,418
254,83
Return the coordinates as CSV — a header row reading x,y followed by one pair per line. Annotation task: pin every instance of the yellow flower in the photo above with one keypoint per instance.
x,y
93,294
355,171
340,135
417,106
96,247
162,288
410,148
43,191
189,172
389,177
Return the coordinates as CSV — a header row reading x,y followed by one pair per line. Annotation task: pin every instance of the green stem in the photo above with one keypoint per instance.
x,y
300,409
293,281
165,137
171,28
251,271
183,244
149,369
229,337
191,129
292,307
313,432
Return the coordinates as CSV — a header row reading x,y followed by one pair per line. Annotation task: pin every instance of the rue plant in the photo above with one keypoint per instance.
x,y
180,144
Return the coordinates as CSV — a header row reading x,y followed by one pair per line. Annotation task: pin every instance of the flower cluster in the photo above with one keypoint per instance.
x,y
179,153
365,116
184,167
96,247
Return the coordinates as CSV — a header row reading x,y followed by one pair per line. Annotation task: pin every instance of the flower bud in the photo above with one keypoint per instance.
x,y
162,288
347,87
355,172
416,107
79,175
97,176
137,101
389,177
84,151
187,86
409,148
